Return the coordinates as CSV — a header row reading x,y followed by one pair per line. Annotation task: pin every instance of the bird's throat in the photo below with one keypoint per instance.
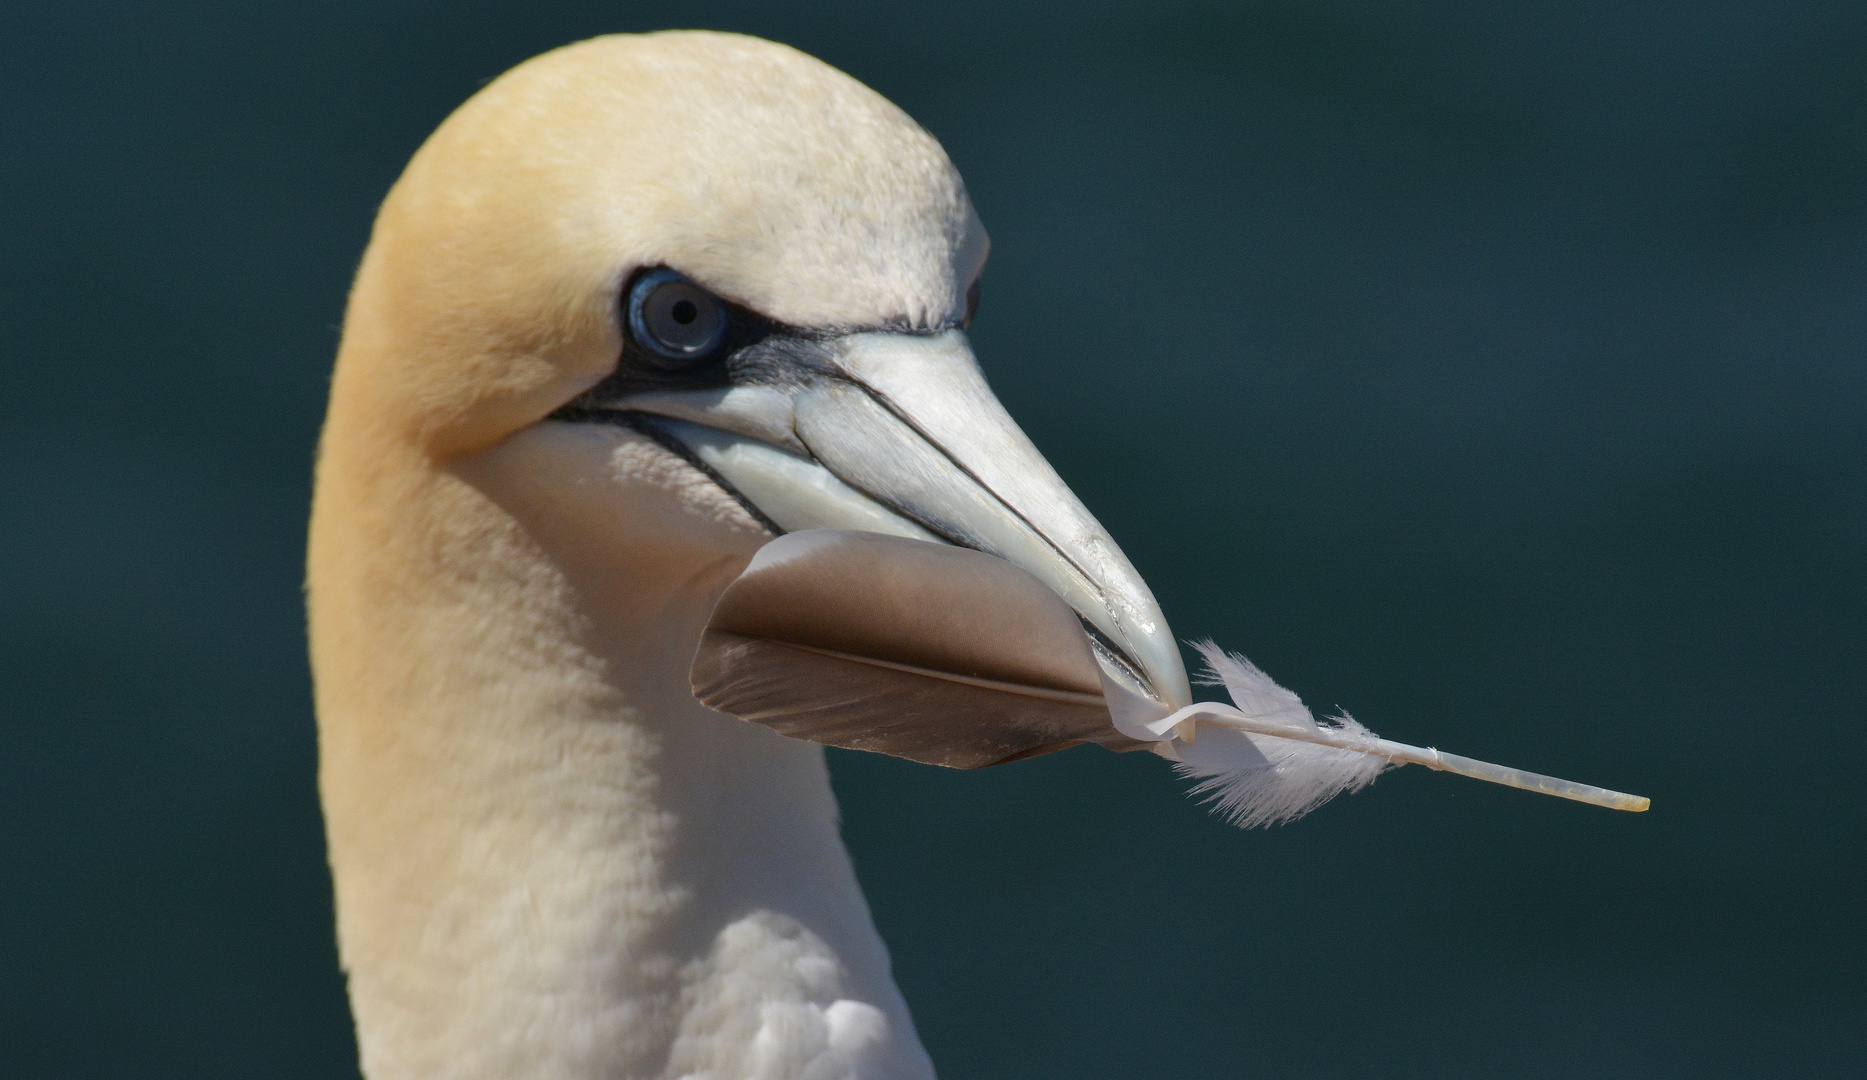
x,y
550,860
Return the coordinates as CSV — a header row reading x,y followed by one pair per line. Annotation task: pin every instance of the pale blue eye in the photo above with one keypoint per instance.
x,y
674,318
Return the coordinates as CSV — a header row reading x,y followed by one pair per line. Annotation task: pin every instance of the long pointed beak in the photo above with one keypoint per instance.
x,y
902,436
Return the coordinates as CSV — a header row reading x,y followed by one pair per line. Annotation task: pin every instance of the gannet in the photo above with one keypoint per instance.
x,y
640,306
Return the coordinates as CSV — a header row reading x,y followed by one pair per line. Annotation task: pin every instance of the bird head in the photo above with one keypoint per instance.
x,y
697,291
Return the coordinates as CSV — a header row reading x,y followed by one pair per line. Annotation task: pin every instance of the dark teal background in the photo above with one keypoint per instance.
x,y
1493,371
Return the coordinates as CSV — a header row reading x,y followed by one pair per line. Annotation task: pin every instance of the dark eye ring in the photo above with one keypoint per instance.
x,y
674,318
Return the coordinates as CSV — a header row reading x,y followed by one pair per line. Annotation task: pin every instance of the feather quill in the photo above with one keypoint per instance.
x,y
1265,760
1262,780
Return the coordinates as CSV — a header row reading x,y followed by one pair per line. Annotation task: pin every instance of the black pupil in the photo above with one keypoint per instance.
x,y
684,312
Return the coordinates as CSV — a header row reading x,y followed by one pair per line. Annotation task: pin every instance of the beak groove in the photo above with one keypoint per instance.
x,y
906,439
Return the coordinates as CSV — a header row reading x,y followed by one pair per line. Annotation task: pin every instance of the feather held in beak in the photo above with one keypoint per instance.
x,y
952,657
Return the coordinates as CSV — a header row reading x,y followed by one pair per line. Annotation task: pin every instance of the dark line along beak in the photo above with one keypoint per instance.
x,y
905,439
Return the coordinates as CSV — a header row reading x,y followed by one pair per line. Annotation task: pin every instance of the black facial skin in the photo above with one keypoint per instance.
x,y
758,351
754,351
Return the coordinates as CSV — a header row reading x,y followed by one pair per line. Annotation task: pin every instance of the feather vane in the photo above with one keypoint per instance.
x,y
1261,780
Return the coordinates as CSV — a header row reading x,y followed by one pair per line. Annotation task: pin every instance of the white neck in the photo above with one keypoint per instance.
x,y
551,862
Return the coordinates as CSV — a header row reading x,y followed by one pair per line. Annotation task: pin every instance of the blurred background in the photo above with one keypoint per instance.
x,y
1492,371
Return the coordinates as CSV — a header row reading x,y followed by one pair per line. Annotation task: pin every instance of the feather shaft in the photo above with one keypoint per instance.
x,y
1227,716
